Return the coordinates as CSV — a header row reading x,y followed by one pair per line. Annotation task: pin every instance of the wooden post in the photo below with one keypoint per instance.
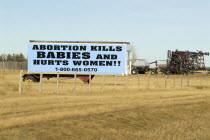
x,y
174,81
195,80
127,82
115,82
138,81
188,81
165,81
102,83
15,66
1,76
89,83
181,81
75,82
57,90
21,81
157,82
201,81
40,82
148,84
206,80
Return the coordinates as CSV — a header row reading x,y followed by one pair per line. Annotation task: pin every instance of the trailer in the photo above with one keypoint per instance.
x,y
140,66
35,77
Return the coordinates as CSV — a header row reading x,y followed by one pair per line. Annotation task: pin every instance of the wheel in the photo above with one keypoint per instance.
x,y
30,78
134,71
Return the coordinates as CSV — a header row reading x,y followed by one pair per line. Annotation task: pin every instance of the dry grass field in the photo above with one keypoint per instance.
x,y
153,107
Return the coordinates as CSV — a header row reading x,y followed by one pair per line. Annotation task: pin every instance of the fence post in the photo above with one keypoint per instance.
x,y
174,81
21,81
40,83
102,83
201,84
166,81
157,82
15,66
89,82
148,84
57,90
75,82
181,81
2,65
195,81
127,81
1,75
188,81
115,82
204,81
138,81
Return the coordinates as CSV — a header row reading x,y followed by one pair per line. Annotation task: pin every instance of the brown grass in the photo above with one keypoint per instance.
x,y
119,112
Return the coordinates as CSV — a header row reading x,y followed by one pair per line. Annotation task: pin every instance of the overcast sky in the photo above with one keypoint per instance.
x,y
152,26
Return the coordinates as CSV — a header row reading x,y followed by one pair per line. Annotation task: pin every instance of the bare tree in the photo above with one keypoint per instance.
x,y
3,57
133,53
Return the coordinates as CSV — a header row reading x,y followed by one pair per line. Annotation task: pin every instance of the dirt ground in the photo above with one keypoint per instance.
x,y
144,107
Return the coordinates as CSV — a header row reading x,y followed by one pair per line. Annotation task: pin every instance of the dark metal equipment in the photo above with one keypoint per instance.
x,y
182,62
35,77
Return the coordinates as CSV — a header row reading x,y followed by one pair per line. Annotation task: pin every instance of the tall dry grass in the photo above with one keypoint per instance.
x,y
119,112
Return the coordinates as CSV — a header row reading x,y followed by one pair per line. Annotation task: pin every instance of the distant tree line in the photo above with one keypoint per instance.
x,y
13,57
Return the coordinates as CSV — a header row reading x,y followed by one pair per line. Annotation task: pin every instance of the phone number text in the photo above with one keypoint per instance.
x,y
77,69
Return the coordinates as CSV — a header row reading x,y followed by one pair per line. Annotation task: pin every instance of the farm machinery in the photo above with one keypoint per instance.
x,y
140,66
181,62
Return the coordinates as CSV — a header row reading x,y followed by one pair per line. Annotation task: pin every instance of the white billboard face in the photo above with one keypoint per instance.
x,y
77,58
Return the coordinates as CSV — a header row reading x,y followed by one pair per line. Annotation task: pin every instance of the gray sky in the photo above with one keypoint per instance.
x,y
152,26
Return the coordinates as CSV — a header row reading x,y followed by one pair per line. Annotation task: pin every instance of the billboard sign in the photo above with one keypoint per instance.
x,y
77,57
